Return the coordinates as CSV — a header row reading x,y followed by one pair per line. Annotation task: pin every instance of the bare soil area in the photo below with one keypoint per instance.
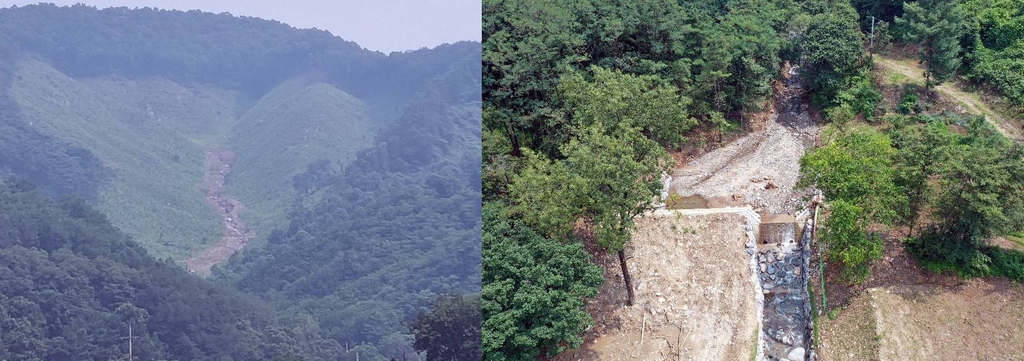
x,y
918,315
851,335
236,234
761,168
694,294
978,320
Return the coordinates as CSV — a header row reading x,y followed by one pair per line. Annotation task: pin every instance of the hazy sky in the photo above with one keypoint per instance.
x,y
383,25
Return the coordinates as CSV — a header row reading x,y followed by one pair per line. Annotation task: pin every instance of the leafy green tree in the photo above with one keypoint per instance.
x,y
861,96
922,154
606,179
857,167
834,51
450,329
622,175
981,196
998,56
613,97
844,233
534,290
855,173
547,195
527,45
938,26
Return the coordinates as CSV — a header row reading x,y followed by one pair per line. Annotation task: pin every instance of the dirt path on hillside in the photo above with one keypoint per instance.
x,y
761,168
216,166
971,102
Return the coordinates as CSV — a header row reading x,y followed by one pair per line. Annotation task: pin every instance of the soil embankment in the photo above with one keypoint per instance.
x,y
236,234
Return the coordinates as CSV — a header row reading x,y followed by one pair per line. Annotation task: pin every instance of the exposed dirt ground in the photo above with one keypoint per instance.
x,y
978,320
761,168
1003,242
236,234
694,294
851,335
919,315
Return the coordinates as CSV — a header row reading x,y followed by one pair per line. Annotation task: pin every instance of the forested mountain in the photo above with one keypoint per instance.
x,y
70,285
401,223
353,174
138,91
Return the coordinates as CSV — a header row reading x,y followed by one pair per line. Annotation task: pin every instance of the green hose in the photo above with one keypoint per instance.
x,y
821,265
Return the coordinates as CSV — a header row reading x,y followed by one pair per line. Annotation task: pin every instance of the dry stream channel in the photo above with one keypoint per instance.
x,y
236,233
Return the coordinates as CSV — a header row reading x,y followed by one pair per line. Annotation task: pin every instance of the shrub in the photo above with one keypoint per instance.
x,y
861,96
910,102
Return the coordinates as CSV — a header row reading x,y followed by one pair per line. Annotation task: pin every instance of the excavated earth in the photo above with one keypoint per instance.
x,y
695,290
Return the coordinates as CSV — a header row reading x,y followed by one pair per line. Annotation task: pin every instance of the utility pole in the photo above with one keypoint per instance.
x,y
872,48
131,338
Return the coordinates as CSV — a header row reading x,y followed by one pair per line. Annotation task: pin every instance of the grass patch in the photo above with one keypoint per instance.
x,y
815,334
1016,237
757,338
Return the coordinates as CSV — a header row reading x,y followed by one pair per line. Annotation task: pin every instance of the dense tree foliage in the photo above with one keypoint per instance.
x,y
938,26
834,52
369,242
998,57
249,55
368,246
534,289
722,55
70,284
922,155
855,173
449,330
979,196
606,179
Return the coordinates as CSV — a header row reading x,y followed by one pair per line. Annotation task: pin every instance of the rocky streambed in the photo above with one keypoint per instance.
x,y
786,324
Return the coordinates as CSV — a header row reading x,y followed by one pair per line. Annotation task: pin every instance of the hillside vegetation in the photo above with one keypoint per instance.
x,y
127,115
358,172
71,285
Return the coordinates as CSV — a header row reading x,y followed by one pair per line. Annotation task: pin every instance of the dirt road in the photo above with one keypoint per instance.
x,y
236,234
969,101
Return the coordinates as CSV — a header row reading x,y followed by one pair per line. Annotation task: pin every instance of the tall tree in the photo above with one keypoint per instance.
x,y
609,177
623,175
922,155
981,197
938,26
855,173
526,46
833,45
